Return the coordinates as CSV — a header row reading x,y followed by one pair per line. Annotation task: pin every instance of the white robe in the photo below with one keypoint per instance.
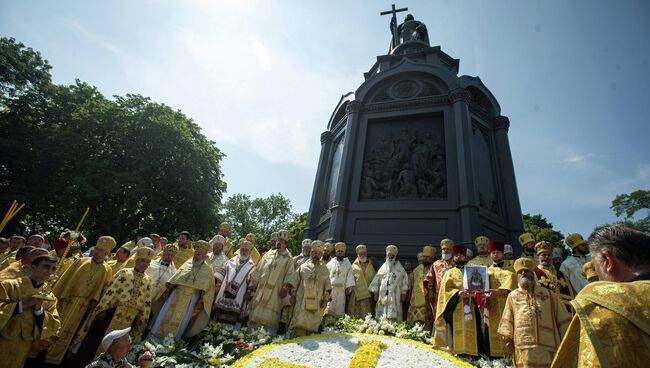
x,y
217,263
159,275
233,280
389,284
572,269
341,278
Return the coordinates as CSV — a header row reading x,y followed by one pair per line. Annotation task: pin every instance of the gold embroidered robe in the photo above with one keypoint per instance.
x,y
502,281
611,327
19,330
360,300
536,323
182,255
116,265
463,338
187,282
480,260
129,293
313,287
270,275
419,307
79,287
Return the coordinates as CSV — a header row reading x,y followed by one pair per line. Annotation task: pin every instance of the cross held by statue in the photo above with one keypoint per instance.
x,y
393,22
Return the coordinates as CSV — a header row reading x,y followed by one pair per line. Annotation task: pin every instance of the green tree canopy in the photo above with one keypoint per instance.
x,y
628,206
297,232
260,216
542,229
137,164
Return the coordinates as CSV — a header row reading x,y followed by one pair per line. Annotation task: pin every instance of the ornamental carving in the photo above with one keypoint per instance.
x,y
501,122
404,159
460,95
405,89
325,137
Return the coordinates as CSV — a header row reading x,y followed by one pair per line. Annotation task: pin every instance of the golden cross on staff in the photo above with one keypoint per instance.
x,y
13,210
73,237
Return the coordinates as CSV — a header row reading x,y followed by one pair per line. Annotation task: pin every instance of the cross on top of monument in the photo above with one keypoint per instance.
x,y
393,20
409,30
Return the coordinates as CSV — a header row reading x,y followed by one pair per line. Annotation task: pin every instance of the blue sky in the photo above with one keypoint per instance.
x,y
262,77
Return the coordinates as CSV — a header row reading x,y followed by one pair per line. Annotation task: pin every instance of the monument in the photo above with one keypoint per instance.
x,y
414,155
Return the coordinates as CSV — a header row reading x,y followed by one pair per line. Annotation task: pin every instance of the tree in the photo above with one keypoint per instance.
x,y
260,216
627,205
542,229
135,163
297,232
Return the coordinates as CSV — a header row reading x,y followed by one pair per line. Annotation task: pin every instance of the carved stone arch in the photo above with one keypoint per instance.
x,y
429,79
480,96
340,110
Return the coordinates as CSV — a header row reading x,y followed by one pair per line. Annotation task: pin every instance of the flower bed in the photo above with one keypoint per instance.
x,y
221,345
341,349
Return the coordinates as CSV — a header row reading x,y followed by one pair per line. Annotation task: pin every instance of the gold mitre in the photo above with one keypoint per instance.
x,y
106,243
251,237
329,246
217,239
246,245
391,249
317,245
526,238
543,246
429,251
224,226
589,271
482,240
361,247
447,244
574,240
420,256
201,246
171,247
145,253
340,246
275,236
283,234
526,263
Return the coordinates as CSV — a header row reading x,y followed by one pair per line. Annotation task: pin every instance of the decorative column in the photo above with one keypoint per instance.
x,y
341,198
321,177
468,204
510,194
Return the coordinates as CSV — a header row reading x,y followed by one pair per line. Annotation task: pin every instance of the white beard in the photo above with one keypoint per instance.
x,y
363,259
447,256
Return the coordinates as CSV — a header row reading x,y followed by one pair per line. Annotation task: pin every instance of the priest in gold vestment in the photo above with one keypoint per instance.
x,y
78,291
188,298
121,256
534,320
551,278
28,316
611,327
311,283
185,251
502,281
360,300
125,303
483,256
271,279
420,305
255,254
458,324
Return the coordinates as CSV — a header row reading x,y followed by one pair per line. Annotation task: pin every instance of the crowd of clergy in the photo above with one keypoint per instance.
x,y
62,307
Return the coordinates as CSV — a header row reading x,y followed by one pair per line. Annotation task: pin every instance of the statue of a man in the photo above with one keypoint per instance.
x,y
410,30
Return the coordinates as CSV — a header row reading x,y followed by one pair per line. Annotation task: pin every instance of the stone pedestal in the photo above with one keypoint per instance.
x,y
414,155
